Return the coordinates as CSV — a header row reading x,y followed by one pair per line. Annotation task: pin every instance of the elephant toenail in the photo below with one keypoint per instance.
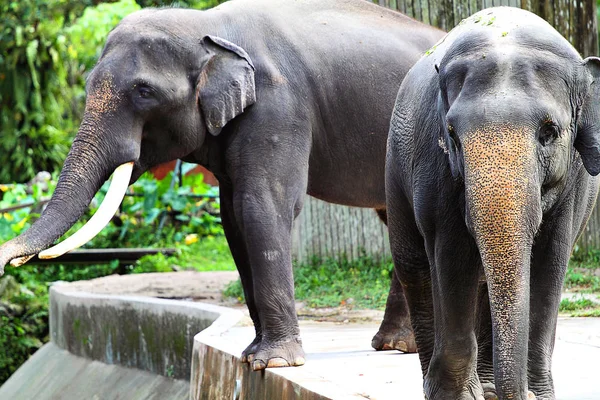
x,y
299,361
277,362
258,365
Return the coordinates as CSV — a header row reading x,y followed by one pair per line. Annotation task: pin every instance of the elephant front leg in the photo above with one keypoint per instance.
x,y
237,245
452,372
395,332
267,229
548,268
411,271
485,344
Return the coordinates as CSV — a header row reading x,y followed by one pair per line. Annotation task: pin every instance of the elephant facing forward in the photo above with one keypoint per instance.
x,y
490,175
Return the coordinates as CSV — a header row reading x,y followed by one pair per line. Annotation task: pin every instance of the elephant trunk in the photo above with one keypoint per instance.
x,y
88,165
503,211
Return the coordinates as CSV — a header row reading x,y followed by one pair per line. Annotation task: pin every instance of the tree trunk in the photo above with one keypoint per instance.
x,y
576,21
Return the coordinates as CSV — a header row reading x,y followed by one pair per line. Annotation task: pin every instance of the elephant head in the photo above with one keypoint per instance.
x,y
157,89
517,119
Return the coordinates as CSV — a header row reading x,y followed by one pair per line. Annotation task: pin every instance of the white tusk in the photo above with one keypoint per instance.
x,y
17,262
108,208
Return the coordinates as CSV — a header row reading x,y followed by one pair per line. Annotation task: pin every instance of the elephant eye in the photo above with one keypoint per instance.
x,y
144,92
548,132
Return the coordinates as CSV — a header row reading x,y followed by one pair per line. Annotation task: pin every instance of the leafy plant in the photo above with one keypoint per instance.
x,y
24,322
35,101
580,307
361,283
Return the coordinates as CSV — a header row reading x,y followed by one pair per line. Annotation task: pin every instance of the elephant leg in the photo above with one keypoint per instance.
x,y
485,343
267,229
548,268
237,246
411,272
269,176
395,331
452,372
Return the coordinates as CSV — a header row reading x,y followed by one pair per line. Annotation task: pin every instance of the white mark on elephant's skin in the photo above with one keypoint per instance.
x,y
272,255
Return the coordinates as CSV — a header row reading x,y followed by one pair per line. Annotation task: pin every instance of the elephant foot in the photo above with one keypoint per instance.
x,y
285,353
401,339
444,386
465,395
250,351
490,392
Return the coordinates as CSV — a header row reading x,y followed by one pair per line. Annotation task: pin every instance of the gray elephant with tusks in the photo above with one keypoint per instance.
x,y
278,99
490,177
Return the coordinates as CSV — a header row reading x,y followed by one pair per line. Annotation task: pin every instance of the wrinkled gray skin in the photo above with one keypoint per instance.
x,y
490,177
277,99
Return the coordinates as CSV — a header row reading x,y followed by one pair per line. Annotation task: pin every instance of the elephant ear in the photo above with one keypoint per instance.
x,y
587,141
225,85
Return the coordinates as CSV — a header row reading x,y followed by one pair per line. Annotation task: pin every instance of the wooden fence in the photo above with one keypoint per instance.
x,y
575,20
327,230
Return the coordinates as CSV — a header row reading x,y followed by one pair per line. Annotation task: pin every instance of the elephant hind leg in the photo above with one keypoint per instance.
x,y
395,332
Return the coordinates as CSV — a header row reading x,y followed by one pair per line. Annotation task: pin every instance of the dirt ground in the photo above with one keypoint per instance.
x,y
207,287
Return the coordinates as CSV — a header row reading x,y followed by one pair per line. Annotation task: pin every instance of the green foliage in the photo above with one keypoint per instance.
x,y
581,274
580,281
235,290
580,307
361,283
210,253
576,304
36,113
87,35
182,209
24,323
585,259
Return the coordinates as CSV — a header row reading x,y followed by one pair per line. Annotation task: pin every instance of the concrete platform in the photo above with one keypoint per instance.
x,y
341,365
114,347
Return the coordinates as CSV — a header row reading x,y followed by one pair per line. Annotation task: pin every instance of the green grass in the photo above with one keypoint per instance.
x,y
581,272
210,253
585,259
362,283
580,307
365,282
582,282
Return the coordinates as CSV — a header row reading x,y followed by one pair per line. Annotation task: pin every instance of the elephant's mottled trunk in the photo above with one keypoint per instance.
x,y
106,139
82,175
503,211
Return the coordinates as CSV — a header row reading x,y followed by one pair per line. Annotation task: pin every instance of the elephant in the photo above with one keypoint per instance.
x,y
278,99
491,167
